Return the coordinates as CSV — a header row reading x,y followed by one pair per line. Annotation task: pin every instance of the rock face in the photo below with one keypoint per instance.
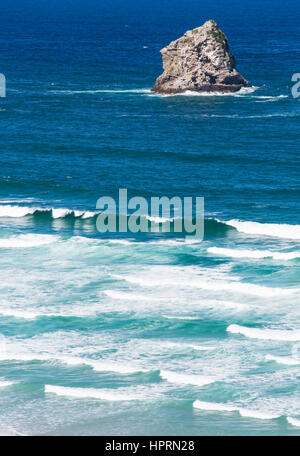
x,y
199,61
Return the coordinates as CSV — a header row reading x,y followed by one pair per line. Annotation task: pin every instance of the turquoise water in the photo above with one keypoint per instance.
x,y
122,334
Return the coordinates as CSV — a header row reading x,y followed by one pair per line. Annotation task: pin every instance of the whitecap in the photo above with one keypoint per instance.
x,y
265,229
268,99
293,421
97,365
61,213
105,395
257,254
186,379
265,334
159,219
182,345
232,408
128,296
214,406
27,240
4,384
180,317
213,285
17,211
283,360
257,414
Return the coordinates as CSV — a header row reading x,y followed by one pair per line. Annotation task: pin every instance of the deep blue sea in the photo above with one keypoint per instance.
x,y
137,334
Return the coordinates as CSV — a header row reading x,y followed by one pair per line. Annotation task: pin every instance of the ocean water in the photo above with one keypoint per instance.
x,y
132,334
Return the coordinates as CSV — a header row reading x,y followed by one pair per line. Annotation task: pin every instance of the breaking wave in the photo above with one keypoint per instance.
x,y
105,395
230,285
180,345
23,211
186,379
283,360
3,383
257,254
293,421
266,229
212,227
97,365
211,406
27,241
265,334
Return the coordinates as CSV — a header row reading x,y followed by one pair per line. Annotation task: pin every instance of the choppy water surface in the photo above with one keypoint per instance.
x,y
147,334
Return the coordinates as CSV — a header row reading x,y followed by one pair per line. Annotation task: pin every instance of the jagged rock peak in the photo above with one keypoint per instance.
x,y
199,61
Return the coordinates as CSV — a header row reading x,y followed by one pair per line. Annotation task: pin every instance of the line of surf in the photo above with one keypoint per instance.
x,y
95,393
265,334
248,413
285,231
256,254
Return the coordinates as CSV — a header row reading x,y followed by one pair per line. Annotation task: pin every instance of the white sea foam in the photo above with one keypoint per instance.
x,y
106,395
186,379
17,200
293,421
33,314
63,212
230,285
128,296
190,93
256,290
120,241
259,254
60,213
257,414
180,317
283,360
267,99
246,90
225,304
103,366
231,408
18,313
265,229
198,347
159,219
97,365
3,384
27,240
242,92
214,406
17,211
181,345
22,211
88,214
265,334
175,242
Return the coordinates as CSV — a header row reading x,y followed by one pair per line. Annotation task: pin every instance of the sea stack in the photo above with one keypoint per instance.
x,y
199,61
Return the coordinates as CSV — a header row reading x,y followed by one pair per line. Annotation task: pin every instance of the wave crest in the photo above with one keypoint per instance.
x,y
211,406
265,334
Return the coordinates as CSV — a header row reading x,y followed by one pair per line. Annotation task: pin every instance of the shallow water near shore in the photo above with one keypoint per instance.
x,y
147,334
